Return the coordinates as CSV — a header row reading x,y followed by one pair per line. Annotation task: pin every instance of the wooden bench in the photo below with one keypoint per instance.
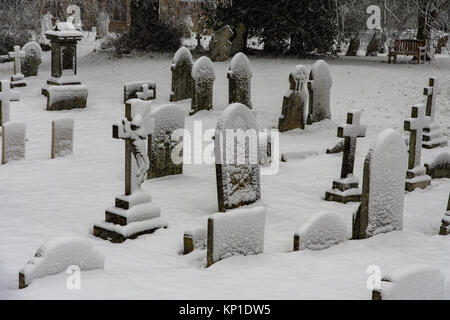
x,y
410,47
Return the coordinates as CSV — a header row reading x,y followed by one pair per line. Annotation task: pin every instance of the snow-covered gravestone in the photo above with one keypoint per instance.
x,y
32,59
440,167
182,75
17,80
416,176
203,77
445,227
62,137
13,141
6,96
295,101
238,232
415,282
346,189
58,255
236,152
433,135
164,143
319,87
323,230
134,214
67,97
144,90
240,80
383,190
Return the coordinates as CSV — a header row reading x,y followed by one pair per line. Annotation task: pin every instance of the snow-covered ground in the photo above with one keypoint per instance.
x,y
42,198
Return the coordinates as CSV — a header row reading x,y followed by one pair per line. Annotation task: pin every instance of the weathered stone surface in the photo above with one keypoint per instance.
x,y
131,90
381,208
346,189
220,45
239,43
319,87
203,77
240,80
295,101
66,97
440,167
416,174
165,141
62,137
237,166
13,141
181,75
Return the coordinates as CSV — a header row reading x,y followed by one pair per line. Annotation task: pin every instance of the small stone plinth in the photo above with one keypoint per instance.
x,y
66,97
18,81
434,137
417,179
344,191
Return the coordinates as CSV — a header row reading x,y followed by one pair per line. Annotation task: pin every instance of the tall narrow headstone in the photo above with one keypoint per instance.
x,y
416,174
18,79
134,214
346,189
295,101
445,228
433,135
203,76
383,191
319,87
62,137
240,81
237,163
13,141
181,75
164,142
6,96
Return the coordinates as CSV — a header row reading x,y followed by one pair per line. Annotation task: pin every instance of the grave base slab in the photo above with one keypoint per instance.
x,y
434,138
417,179
343,197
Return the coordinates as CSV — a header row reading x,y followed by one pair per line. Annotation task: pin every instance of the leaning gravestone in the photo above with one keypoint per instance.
x,y
32,59
62,137
433,135
346,189
445,228
383,191
238,232
134,214
57,255
18,79
144,90
240,80
319,87
295,101
416,174
220,45
203,77
169,120
13,141
236,152
181,75
6,96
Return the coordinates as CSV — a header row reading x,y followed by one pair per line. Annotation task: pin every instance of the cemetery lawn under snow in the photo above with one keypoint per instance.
x,y
42,198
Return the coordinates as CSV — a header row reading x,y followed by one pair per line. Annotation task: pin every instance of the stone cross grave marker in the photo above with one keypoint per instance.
x,y
181,75
433,136
240,80
146,93
346,189
203,77
416,174
295,101
135,207
383,191
319,86
236,153
17,80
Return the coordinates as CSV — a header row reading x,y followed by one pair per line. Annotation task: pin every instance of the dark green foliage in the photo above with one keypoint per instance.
x,y
300,27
